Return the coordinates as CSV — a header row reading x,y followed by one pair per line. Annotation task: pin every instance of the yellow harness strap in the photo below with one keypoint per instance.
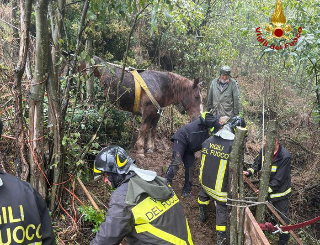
x,y
137,93
139,80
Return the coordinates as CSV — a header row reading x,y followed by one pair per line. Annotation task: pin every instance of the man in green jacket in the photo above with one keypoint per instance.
x,y
224,95
143,208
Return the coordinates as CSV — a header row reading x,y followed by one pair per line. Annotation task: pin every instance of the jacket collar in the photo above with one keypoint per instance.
x,y
279,154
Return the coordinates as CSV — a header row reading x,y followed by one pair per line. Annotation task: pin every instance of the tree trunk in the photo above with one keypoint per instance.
x,y
241,197
53,88
235,159
266,169
22,166
28,67
14,22
37,159
89,81
57,161
317,91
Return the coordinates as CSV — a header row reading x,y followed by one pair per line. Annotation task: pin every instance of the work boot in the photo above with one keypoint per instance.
x,y
186,191
283,239
203,215
188,177
221,238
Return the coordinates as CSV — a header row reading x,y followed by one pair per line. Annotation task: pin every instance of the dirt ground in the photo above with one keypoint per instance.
x,y
202,234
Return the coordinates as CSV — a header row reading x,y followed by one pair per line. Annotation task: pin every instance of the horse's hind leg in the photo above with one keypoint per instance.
x,y
152,134
144,129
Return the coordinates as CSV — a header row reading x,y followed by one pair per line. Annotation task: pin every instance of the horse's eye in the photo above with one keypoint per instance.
x,y
197,97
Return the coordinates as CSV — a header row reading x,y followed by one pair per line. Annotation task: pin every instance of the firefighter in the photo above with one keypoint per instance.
x,y
213,175
142,208
280,183
24,217
186,141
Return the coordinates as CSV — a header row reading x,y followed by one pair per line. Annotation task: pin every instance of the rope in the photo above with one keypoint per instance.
x,y
269,227
251,203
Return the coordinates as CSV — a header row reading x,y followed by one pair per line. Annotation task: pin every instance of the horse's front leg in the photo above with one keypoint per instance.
x,y
144,129
152,134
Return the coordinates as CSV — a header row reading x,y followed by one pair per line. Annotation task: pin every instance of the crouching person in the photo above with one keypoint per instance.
x,y
186,141
142,208
213,175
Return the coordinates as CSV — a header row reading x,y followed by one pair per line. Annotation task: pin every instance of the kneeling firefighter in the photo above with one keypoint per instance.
x,y
186,141
142,208
213,175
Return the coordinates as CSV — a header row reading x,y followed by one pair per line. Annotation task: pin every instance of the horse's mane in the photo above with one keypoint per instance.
x,y
180,85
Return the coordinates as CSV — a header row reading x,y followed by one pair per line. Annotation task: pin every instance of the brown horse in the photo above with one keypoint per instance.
x,y
166,87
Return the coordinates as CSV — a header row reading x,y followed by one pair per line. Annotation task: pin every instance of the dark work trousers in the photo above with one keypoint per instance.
x,y
282,206
221,210
188,162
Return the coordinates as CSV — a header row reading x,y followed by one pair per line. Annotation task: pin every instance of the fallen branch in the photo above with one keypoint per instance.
x,y
88,195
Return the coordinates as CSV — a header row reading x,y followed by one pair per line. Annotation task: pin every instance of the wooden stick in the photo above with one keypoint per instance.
x,y
88,195
271,208
252,231
266,169
233,181
253,187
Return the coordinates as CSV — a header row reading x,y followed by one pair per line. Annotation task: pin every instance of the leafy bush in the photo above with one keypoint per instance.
x,y
90,214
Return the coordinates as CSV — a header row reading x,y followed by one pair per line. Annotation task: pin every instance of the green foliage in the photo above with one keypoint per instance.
x,y
90,214
316,115
118,127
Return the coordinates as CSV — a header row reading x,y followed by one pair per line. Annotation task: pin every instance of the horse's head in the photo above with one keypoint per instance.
x,y
192,102
96,67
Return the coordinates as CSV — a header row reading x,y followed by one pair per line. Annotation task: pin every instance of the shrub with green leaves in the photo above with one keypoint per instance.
x,y
90,214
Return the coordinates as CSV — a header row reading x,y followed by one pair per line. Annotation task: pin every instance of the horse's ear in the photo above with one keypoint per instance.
x,y
196,82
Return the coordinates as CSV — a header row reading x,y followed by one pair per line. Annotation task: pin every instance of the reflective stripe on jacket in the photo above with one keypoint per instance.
x,y
225,102
215,167
280,177
150,221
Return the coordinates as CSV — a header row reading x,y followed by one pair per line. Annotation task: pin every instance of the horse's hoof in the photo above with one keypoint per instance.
x,y
150,150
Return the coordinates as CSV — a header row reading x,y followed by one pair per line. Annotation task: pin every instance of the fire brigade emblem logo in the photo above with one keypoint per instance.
x,y
278,29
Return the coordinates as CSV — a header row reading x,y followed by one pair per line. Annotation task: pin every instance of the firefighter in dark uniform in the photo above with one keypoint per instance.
x,y
213,175
186,141
279,184
142,208
24,217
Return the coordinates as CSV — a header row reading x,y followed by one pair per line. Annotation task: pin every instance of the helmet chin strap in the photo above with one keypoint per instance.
x,y
113,179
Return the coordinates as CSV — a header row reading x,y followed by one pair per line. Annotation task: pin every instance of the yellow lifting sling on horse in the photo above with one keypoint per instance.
x,y
140,83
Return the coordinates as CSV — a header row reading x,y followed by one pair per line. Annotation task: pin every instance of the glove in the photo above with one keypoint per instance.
x,y
234,122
